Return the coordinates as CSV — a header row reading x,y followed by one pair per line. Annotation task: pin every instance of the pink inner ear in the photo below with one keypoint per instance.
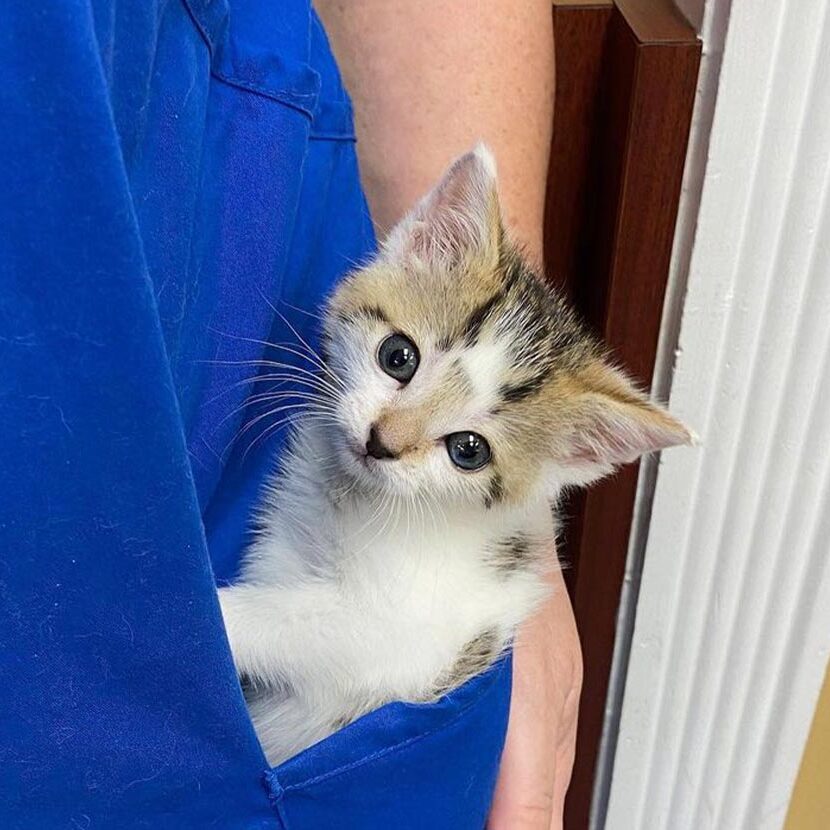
x,y
457,216
605,451
418,237
617,438
464,190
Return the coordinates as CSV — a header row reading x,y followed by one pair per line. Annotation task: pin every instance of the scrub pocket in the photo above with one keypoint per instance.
x,y
404,766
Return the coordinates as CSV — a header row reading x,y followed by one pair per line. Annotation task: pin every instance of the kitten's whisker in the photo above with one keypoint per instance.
x,y
267,362
288,421
391,515
349,489
381,509
412,502
309,405
323,383
250,424
402,569
274,378
302,310
264,363
283,423
422,509
298,335
311,356
334,382
435,505
319,384
273,396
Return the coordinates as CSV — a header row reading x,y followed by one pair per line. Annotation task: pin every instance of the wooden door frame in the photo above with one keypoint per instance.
x,y
626,74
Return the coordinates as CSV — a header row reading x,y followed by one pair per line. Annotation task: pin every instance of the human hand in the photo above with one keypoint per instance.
x,y
541,736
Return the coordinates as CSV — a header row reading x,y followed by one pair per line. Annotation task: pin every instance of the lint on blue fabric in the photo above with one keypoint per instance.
x,y
170,173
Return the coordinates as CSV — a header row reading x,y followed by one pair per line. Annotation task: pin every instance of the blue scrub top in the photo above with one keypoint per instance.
x,y
171,171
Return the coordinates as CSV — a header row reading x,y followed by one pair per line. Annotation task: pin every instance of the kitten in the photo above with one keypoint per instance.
x,y
410,530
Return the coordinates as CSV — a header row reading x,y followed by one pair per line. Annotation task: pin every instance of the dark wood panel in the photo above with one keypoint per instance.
x,y
655,22
626,75
580,45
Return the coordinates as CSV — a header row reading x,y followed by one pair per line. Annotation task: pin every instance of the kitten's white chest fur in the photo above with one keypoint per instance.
x,y
348,603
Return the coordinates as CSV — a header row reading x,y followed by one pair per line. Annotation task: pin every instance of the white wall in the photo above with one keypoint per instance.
x,y
732,624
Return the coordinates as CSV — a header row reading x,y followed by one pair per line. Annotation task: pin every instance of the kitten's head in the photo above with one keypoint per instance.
x,y
467,378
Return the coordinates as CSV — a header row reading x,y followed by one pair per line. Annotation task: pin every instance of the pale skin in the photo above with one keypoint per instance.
x,y
428,79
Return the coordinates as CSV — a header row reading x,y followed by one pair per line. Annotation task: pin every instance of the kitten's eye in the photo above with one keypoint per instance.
x,y
398,357
468,450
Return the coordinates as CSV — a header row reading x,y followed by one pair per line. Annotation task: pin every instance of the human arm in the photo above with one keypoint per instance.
x,y
428,80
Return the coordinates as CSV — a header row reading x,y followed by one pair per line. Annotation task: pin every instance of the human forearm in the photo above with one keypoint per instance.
x,y
429,79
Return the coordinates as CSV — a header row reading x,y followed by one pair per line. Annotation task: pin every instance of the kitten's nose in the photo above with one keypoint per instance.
x,y
375,447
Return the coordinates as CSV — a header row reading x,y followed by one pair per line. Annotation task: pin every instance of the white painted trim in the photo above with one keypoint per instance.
x,y
711,24
733,619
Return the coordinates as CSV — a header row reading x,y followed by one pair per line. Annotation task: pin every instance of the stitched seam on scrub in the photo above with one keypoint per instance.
x,y
296,100
302,101
332,136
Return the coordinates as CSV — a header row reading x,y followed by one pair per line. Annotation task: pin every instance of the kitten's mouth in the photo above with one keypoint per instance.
x,y
359,453
367,464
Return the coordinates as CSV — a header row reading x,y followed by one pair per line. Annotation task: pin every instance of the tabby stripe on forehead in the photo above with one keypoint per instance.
x,y
370,312
458,380
511,393
444,343
373,312
475,321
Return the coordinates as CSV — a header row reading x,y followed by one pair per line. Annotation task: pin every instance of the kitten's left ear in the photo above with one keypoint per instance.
x,y
459,218
613,423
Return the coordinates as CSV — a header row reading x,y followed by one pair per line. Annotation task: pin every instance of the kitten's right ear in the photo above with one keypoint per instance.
x,y
459,219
